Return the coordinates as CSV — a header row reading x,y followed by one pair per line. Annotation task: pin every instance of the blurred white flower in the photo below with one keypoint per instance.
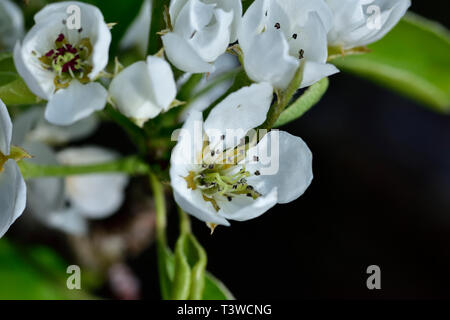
x,y
59,64
214,190
144,90
11,24
361,22
202,31
12,185
68,204
277,35
31,126
138,33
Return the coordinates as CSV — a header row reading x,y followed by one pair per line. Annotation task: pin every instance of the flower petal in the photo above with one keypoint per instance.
x,y
285,163
234,6
314,72
5,129
95,196
138,33
241,111
12,195
183,56
131,91
162,81
11,24
76,102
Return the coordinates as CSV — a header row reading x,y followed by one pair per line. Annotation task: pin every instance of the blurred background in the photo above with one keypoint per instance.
x,y
381,196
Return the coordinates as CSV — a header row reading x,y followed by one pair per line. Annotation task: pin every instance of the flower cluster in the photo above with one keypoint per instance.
x,y
232,166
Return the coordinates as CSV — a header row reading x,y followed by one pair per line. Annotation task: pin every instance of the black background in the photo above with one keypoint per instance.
x,y
381,195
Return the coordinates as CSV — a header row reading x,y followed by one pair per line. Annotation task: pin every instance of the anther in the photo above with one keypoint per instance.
x,y
255,158
222,137
211,166
301,54
294,36
213,153
257,173
229,198
277,25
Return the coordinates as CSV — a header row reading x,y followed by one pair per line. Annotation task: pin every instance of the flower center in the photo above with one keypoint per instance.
x,y
68,61
218,181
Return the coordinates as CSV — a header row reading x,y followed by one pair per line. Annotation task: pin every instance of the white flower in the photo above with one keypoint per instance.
x,y
59,64
12,185
361,22
242,187
11,24
67,204
144,89
277,35
31,126
138,33
202,31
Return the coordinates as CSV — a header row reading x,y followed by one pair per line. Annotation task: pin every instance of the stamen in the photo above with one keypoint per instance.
x,y
277,25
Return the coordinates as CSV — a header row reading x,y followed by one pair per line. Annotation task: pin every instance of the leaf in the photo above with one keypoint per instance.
x,y
121,12
35,273
413,59
215,289
190,265
305,102
13,90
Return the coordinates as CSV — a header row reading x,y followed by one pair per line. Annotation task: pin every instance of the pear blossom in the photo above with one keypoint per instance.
x,y
11,24
361,22
12,185
144,90
202,31
276,36
243,186
138,33
68,204
60,64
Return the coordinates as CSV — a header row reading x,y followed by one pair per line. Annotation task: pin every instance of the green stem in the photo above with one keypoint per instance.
x,y
163,252
132,165
286,97
185,222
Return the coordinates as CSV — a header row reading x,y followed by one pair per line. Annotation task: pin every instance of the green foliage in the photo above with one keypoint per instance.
x,y
413,59
34,273
13,90
305,102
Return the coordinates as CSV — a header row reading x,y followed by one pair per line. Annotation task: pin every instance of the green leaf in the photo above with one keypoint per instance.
x,y
34,273
305,102
190,265
413,59
121,12
13,90
215,289
157,25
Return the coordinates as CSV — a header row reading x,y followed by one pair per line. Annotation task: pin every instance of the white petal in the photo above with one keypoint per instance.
x,y
12,195
138,33
32,126
98,195
131,91
76,102
268,60
68,220
285,163
5,129
298,11
244,208
183,56
252,24
162,81
213,40
11,24
234,6
316,71
238,113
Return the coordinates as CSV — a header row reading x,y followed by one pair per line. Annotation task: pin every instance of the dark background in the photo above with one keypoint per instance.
x,y
381,195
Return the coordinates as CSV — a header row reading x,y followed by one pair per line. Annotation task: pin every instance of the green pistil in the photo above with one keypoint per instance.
x,y
217,180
